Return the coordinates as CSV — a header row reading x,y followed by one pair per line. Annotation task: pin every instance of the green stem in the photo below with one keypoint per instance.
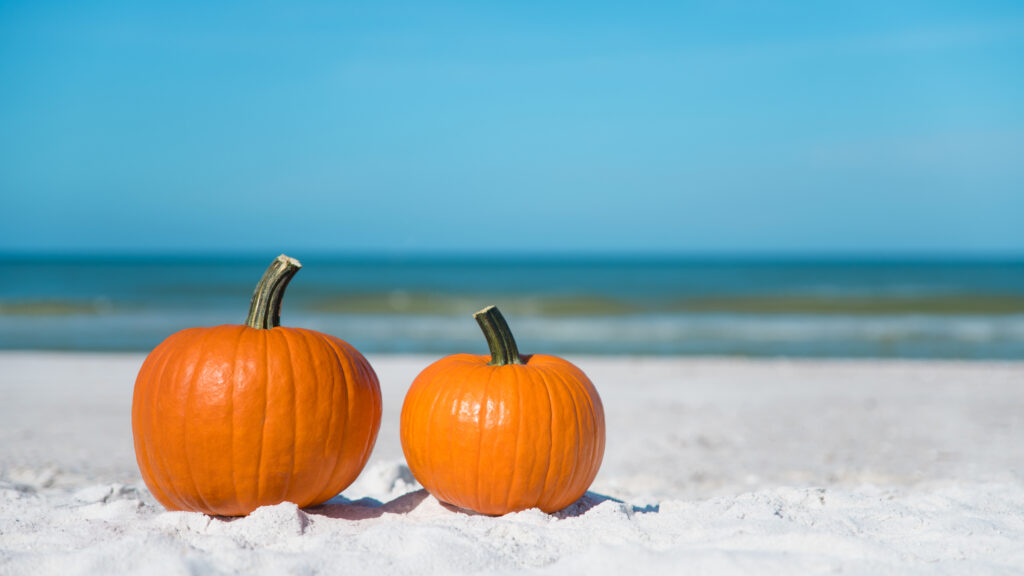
x,y
499,337
265,308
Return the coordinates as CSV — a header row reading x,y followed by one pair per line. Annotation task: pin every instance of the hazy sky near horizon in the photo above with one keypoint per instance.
x,y
515,126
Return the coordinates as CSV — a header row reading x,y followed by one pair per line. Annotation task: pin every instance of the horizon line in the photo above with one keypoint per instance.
x,y
930,256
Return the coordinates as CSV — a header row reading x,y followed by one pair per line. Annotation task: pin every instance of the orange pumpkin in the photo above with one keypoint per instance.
x,y
503,433
230,418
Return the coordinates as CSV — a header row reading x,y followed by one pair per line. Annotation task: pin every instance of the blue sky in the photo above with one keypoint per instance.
x,y
677,127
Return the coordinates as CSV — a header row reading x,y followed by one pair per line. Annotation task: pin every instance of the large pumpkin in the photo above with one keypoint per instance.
x,y
503,433
230,418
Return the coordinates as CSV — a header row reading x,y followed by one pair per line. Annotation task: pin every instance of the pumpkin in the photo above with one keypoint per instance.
x,y
502,433
229,418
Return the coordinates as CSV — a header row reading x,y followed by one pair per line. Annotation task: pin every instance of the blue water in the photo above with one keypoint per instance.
x,y
796,307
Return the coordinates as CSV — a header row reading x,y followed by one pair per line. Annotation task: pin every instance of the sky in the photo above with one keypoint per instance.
x,y
512,127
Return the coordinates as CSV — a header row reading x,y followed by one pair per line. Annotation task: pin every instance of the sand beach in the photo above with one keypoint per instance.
x,y
713,466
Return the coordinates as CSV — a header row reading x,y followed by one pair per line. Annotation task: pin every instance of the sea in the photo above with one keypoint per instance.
x,y
764,307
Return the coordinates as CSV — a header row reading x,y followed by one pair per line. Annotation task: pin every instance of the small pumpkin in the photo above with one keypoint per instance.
x,y
230,418
503,433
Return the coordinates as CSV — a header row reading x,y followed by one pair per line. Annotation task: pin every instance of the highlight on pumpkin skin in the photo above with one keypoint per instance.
x,y
503,433
229,418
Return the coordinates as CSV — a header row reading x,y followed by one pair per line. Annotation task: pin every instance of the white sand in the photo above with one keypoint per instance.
x,y
713,466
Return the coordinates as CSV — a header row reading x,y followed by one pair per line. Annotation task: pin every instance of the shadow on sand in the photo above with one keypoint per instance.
x,y
591,500
366,508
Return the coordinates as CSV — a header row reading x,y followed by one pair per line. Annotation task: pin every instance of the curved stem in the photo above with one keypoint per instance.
x,y
499,337
265,308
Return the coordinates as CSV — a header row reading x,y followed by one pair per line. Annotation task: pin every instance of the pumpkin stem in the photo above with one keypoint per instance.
x,y
265,308
499,337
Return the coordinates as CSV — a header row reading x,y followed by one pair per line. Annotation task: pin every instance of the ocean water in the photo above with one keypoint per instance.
x,y
795,307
